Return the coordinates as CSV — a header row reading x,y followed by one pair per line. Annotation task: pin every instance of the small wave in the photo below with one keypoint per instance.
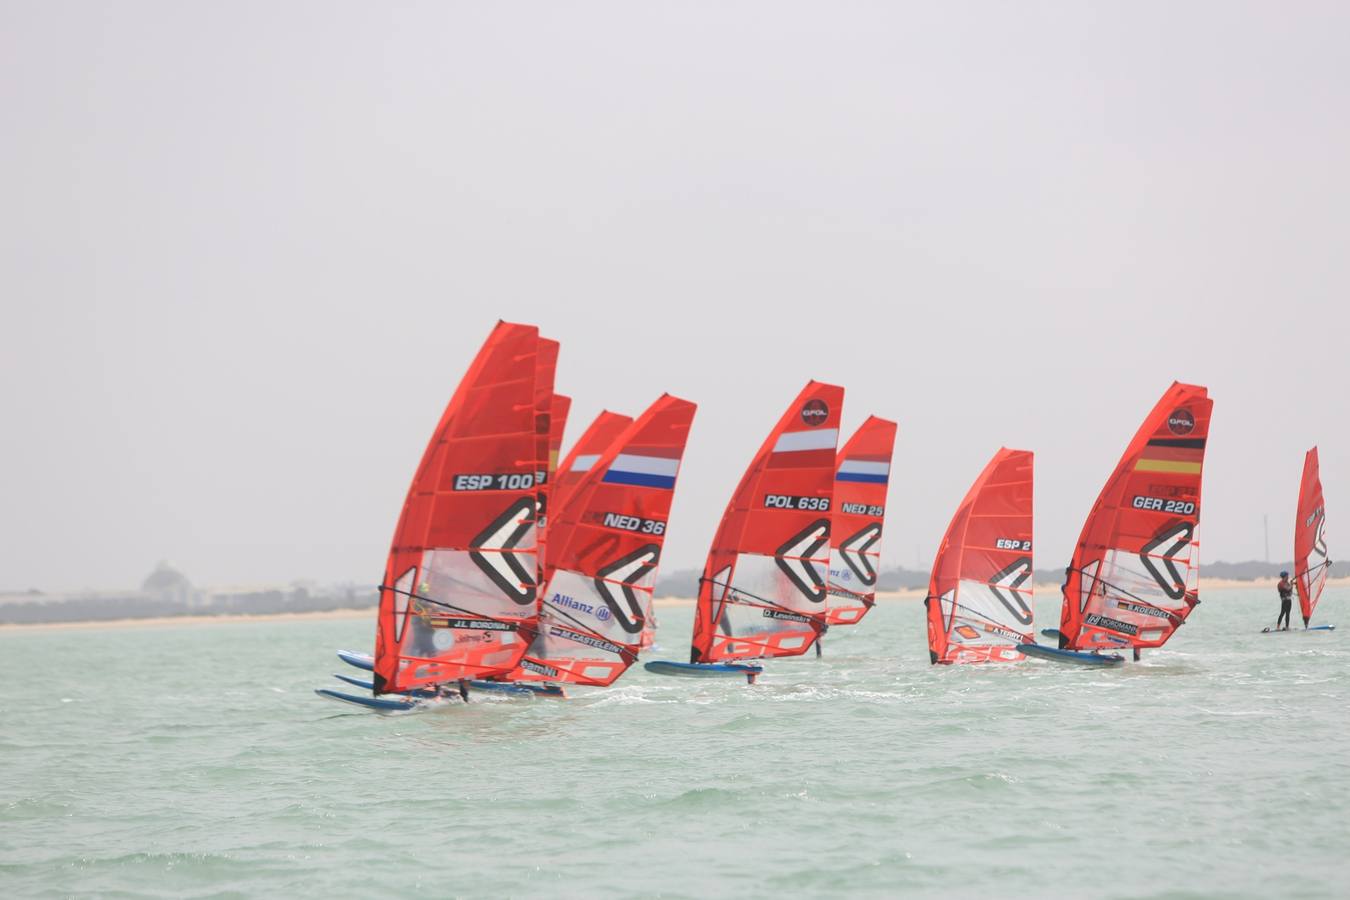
x,y
706,798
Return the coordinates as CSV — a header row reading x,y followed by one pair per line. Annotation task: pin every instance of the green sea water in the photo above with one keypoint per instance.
x,y
194,760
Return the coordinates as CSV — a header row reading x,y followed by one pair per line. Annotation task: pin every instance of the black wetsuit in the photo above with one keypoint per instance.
x,y
1286,589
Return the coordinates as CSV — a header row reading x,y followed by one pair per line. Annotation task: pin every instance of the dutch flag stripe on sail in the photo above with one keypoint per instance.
x,y
584,463
863,470
643,471
815,439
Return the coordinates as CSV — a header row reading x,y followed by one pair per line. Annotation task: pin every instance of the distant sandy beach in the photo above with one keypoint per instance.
x,y
1206,584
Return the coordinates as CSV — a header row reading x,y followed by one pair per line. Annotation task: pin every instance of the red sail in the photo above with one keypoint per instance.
x,y
979,594
1134,575
460,581
860,481
607,544
1310,538
586,452
558,407
763,587
562,405
546,362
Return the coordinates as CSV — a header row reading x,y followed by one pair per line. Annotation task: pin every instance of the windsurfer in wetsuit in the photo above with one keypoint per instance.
x,y
1286,589
450,689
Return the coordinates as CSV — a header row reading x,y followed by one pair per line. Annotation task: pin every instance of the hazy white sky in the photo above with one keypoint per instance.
x,y
248,249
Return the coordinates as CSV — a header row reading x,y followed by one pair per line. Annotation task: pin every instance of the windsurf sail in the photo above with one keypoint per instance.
x,y
1310,538
1134,575
594,441
861,477
979,593
459,586
762,592
606,547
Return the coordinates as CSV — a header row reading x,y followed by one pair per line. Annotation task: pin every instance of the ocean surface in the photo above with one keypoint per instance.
x,y
194,760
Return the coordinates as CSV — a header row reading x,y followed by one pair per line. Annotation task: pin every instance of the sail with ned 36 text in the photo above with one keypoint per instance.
x,y
460,592
1134,576
762,593
1311,561
603,430
861,477
979,603
603,559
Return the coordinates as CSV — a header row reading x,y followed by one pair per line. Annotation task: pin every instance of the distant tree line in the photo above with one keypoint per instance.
x,y
36,608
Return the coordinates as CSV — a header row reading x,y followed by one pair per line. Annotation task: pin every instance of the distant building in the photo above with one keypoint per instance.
x,y
168,592
169,585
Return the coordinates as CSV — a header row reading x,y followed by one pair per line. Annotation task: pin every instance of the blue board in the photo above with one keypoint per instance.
x,y
704,670
360,660
379,703
356,682
1054,654
1298,630
519,688
370,686
1050,633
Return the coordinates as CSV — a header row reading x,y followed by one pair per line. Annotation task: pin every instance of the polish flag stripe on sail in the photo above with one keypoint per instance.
x,y
804,449
797,441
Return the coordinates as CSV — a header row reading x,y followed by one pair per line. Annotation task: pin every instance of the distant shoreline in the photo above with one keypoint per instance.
x,y
1206,584
161,621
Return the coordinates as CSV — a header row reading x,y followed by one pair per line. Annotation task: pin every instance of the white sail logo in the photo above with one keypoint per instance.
x,y
496,555
627,571
796,559
854,551
1005,585
1172,546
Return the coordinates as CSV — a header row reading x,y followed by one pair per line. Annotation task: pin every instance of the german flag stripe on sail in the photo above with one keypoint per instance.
x,y
1168,465
1177,455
